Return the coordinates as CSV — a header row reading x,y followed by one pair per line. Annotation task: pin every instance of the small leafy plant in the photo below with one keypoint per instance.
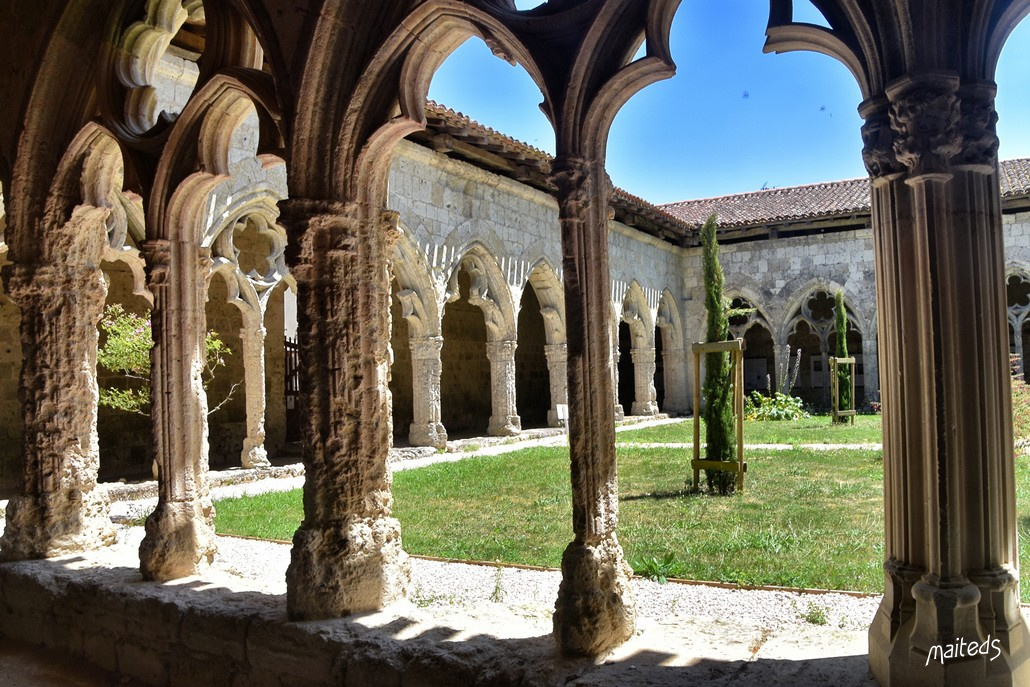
x,y
659,570
776,407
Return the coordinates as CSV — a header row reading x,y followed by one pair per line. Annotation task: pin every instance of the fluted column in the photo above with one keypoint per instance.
x,y
557,372
951,558
426,427
595,609
180,537
505,419
347,554
646,396
253,335
58,509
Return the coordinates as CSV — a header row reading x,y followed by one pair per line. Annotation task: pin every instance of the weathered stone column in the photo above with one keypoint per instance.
x,y
824,356
620,412
253,335
677,394
426,428
1017,343
59,509
951,568
505,420
595,610
557,372
347,555
180,537
643,379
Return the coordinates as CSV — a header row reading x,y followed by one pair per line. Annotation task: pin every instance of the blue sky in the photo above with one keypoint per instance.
x,y
733,119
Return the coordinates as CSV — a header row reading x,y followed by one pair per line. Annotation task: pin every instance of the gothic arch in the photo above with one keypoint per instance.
x,y
551,295
636,312
669,321
418,295
488,291
802,294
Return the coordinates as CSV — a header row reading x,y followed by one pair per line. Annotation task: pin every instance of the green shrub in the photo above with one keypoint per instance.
x,y
776,407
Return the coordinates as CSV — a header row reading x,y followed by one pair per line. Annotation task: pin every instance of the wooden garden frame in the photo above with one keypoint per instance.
x,y
736,347
835,410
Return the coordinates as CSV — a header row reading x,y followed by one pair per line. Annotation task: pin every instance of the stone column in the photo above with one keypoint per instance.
x,y
557,372
824,356
180,537
59,510
620,412
426,428
643,379
677,394
505,420
347,554
252,335
595,610
951,556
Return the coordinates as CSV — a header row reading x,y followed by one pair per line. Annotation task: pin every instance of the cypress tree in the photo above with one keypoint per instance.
x,y
718,385
841,351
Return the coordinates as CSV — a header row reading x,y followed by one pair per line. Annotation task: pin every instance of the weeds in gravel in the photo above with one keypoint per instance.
x,y
813,613
497,595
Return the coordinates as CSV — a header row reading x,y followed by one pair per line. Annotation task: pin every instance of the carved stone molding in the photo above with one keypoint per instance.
x,y
924,115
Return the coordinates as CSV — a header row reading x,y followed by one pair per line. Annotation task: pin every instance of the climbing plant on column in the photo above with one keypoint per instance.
x,y
841,351
718,384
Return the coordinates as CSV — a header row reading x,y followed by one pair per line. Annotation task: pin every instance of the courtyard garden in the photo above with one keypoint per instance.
x,y
809,517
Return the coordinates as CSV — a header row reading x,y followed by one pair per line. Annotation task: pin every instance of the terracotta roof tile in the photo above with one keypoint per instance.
x,y
797,203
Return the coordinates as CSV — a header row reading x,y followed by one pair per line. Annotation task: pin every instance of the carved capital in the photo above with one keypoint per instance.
x,y
500,351
572,178
979,128
878,141
924,116
157,256
426,347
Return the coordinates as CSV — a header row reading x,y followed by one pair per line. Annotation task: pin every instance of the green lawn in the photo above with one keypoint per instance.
x,y
814,430
806,518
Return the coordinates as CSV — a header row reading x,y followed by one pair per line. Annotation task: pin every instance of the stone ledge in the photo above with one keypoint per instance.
x,y
220,629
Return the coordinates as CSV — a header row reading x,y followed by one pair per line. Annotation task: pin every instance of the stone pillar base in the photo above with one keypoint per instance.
x,y
254,454
595,609
552,419
179,541
46,525
648,408
620,413
357,566
504,426
934,645
432,434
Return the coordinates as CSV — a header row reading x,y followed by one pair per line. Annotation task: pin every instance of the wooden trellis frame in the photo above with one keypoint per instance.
x,y
835,410
736,348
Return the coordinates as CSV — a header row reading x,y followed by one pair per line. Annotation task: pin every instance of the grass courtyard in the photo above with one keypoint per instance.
x,y
807,518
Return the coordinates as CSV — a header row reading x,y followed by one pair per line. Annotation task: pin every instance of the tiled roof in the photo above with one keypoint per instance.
x,y
813,201
1015,177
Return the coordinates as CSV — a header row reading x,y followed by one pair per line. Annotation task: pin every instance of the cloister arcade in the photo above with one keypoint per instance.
x,y
261,141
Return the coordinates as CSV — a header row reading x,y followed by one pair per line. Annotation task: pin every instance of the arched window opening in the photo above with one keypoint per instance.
x,y
465,382
532,383
627,374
